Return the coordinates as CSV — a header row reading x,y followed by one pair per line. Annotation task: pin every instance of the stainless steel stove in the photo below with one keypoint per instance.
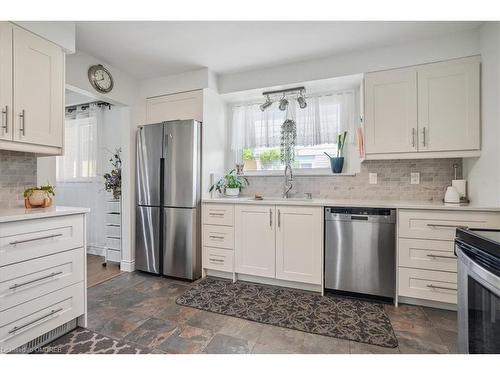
x,y
478,253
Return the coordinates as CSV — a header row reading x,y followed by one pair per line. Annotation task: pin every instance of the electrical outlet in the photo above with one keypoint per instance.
x,y
415,178
372,178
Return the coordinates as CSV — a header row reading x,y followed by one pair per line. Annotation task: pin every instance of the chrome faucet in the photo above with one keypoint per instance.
x,y
288,181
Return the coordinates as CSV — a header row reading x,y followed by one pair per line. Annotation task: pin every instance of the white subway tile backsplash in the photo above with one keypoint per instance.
x,y
17,172
393,182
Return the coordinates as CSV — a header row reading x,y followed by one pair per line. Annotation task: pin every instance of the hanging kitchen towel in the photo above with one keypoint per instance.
x,y
360,142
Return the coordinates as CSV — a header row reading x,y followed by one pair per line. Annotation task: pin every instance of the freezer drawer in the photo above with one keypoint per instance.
x,y
181,243
147,239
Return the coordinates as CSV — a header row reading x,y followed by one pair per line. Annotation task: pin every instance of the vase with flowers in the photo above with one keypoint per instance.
x,y
113,179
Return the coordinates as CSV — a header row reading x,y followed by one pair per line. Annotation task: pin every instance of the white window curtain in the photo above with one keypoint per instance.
x,y
319,123
80,160
79,171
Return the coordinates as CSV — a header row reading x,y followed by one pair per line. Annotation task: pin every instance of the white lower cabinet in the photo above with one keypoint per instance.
x,y
42,278
298,243
281,242
255,240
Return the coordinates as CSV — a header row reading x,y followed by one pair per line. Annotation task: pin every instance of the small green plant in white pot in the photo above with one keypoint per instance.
x,y
231,184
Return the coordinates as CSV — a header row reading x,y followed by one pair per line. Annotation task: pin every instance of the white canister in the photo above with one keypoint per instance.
x,y
451,195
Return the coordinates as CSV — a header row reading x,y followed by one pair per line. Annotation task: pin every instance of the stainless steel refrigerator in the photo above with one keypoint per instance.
x,y
168,179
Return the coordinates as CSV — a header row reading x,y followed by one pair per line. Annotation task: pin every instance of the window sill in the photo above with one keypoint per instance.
x,y
298,173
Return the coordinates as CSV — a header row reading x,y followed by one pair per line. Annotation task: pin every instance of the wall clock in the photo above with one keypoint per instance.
x,y
100,78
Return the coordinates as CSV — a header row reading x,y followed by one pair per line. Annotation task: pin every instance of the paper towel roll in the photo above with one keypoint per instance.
x,y
460,186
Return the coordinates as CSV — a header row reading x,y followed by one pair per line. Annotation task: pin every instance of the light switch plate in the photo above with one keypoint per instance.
x,y
415,178
372,178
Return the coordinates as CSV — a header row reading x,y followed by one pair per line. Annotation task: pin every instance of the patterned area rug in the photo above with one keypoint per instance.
x,y
83,341
343,318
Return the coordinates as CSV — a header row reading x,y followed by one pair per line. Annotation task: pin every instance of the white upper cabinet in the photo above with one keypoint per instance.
x,y
391,111
183,106
448,106
299,244
31,92
425,111
38,90
255,240
6,80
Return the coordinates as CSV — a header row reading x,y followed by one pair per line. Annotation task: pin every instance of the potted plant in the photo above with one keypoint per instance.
x,y
39,196
230,184
337,163
249,160
270,158
113,179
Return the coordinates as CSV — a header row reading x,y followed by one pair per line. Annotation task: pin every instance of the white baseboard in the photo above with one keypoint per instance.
x,y
127,265
427,303
94,250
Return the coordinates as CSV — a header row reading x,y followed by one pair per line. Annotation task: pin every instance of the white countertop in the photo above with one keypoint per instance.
x,y
353,203
21,213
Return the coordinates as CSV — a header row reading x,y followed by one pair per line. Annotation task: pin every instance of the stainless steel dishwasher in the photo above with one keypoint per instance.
x,y
360,250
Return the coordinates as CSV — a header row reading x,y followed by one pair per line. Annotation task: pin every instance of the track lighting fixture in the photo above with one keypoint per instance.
x,y
283,102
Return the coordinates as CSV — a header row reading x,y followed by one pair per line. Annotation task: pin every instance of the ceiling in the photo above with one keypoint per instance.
x,y
159,48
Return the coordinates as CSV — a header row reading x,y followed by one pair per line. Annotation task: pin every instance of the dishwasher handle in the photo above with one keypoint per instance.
x,y
357,217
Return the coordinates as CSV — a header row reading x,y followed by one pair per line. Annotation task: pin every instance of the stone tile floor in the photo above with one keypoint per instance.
x,y
141,308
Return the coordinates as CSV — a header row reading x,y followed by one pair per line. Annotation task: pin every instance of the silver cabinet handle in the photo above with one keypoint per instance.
x,y
424,141
216,260
435,226
279,218
413,130
271,217
22,129
215,214
440,287
5,123
35,239
52,312
216,237
35,280
441,256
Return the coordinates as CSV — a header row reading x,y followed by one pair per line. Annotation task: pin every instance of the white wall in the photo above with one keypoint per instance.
x,y
188,81
483,173
60,33
451,46
214,138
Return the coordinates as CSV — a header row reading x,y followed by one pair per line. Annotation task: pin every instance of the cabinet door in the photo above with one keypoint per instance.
x,y
255,240
391,111
38,90
6,80
183,106
448,106
299,244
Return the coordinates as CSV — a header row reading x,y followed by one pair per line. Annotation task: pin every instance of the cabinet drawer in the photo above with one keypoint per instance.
x,y
24,240
113,219
113,231
113,207
441,225
218,259
430,285
218,236
24,322
113,243
218,214
427,254
21,282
